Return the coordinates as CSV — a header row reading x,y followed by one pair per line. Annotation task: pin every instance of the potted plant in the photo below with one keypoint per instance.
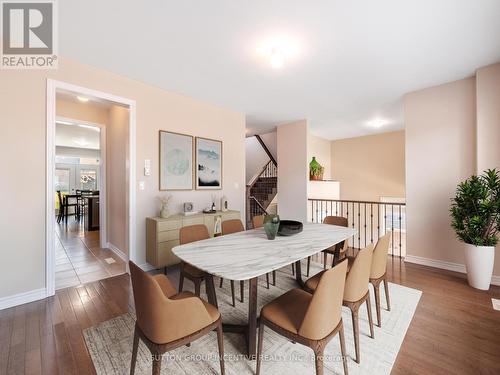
x,y
315,170
475,214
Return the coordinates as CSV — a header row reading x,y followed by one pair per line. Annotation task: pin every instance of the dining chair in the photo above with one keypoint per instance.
x,y
356,291
188,234
378,272
342,222
258,222
166,320
228,227
309,319
64,206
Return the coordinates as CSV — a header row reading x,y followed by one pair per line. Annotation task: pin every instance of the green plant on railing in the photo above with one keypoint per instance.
x,y
315,170
475,210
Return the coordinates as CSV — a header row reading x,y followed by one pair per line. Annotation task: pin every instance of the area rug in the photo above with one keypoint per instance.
x,y
110,343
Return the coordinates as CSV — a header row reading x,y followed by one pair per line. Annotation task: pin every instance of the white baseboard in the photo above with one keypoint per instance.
x,y
450,266
22,298
118,252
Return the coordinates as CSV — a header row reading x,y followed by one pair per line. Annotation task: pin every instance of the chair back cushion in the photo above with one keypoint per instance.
x,y
232,226
379,261
258,221
356,284
336,220
325,309
192,233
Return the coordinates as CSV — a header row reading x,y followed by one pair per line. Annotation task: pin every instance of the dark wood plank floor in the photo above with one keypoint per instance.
x,y
454,330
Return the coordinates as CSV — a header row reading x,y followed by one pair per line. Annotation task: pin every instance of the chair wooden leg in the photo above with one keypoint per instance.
x,y
342,348
220,284
220,342
242,289
259,346
324,260
386,288
135,347
318,359
274,278
181,281
293,269
370,319
355,327
308,266
197,283
267,280
156,364
376,288
232,293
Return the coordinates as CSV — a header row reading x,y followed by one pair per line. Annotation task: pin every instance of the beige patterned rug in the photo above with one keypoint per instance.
x,y
110,343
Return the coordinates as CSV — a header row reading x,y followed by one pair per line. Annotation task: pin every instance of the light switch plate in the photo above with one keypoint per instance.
x,y
147,167
496,303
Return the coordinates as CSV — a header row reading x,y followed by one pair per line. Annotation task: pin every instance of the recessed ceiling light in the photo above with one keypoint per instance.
x,y
278,49
277,58
82,99
377,123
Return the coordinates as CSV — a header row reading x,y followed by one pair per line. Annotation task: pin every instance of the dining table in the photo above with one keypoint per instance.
x,y
249,254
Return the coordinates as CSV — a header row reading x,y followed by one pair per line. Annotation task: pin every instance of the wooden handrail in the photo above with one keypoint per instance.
x,y
354,201
258,203
266,149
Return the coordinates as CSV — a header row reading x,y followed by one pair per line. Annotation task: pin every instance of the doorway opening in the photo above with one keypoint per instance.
x,y
90,189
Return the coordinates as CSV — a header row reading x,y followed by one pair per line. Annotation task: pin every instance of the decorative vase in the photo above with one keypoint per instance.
x,y
314,166
164,212
271,226
479,262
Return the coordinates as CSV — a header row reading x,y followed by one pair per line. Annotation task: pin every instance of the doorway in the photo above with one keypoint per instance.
x,y
77,239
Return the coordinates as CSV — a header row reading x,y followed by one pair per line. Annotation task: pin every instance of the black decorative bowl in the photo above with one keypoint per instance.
x,y
290,227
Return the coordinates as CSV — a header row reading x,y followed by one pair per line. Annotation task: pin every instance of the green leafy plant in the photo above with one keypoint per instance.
x,y
315,168
475,210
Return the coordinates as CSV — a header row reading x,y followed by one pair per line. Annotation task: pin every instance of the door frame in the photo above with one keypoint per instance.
x,y
52,87
103,233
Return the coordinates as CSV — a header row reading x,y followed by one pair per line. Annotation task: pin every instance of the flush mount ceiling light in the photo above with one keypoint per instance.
x,y
82,99
278,50
377,123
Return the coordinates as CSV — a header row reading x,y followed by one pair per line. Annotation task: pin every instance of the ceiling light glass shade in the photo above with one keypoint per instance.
x,y
277,59
82,99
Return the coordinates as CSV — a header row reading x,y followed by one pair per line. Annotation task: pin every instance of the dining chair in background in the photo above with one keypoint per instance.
x,y
228,227
309,319
342,222
190,234
166,320
356,291
379,272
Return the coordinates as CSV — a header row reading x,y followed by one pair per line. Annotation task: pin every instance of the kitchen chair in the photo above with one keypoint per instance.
x,y
166,320
309,319
228,227
356,290
64,206
190,234
379,272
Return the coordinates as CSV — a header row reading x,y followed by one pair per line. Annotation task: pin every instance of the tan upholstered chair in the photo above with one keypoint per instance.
x,y
166,320
258,221
190,234
342,222
356,290
309,319
379,272
228,227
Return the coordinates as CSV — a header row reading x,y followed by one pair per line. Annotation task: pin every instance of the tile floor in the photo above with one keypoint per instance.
x,y
79,257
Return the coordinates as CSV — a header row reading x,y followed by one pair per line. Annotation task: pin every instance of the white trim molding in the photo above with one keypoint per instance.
x,y
441,264
117,251
22,298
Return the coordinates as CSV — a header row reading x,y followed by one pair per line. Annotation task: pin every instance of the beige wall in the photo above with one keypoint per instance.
x,y
321,149
23,137
117,136
440,152
370,167
488,118
292,170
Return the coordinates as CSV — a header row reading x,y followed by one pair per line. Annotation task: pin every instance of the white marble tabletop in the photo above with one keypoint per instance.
x,y
249,254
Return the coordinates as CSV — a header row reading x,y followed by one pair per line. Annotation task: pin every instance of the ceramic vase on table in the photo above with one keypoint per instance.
x,y
271,226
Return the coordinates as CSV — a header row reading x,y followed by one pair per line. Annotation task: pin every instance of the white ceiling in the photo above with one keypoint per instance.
x,y
77,137
355,61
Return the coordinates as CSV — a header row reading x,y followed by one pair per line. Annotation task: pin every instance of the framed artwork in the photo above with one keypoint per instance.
x,y
176,161
208,164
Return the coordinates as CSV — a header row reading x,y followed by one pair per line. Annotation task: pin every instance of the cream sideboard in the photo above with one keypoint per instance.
x,y
163,234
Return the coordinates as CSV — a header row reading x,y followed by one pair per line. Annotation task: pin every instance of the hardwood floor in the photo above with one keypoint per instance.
x,y
454,331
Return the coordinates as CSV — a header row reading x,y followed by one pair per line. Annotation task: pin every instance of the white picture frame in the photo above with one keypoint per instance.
x,y
176,161
208,168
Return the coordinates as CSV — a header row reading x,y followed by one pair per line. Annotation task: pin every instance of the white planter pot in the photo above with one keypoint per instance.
x,y
479,262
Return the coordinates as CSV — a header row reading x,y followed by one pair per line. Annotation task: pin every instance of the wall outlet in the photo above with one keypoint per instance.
x,y
142,185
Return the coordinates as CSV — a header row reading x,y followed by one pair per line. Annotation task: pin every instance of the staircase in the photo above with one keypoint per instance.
x,y
262,190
